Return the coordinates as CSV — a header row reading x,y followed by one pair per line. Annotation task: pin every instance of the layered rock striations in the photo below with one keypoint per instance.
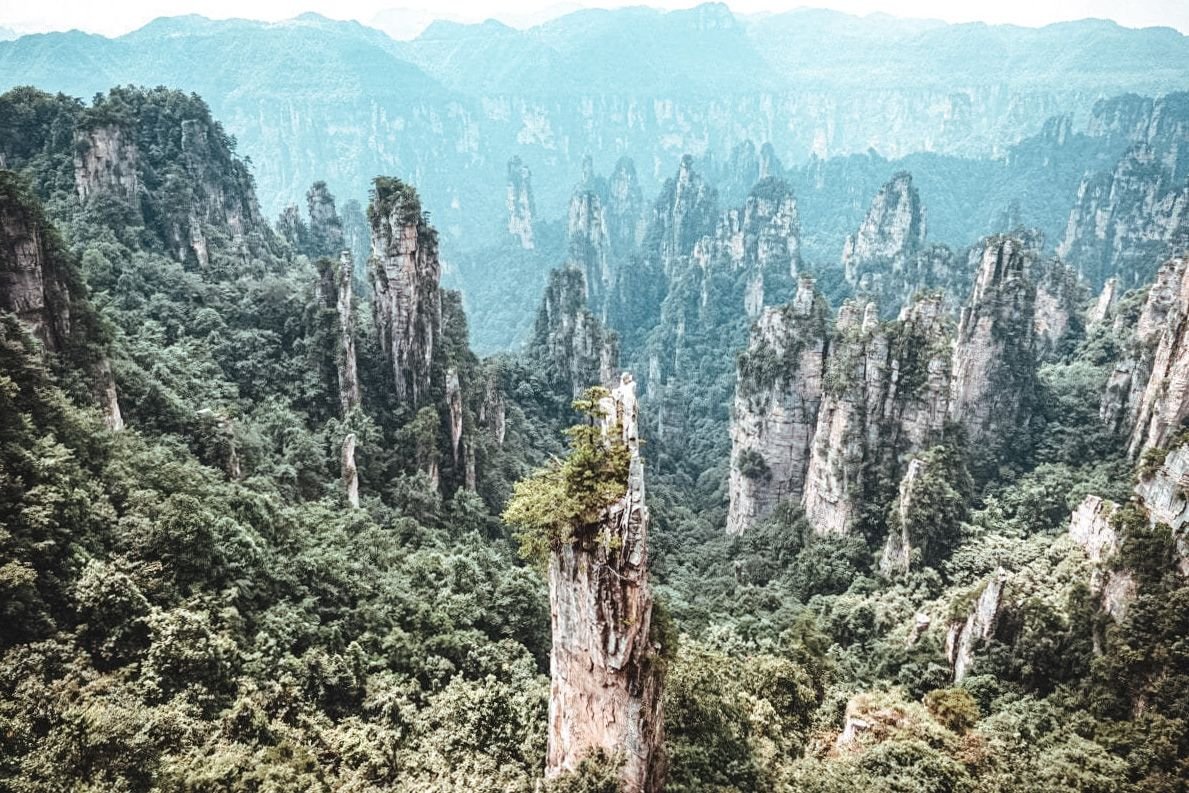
x,y
405,276
570,346
993,380
106,164
605,688
885,397
521,209
778,392
1158,408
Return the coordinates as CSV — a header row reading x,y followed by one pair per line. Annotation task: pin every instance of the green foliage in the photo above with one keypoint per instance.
x,y
954,708
561,503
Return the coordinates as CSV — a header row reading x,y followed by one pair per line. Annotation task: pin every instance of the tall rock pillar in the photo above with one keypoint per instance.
x,y
605,691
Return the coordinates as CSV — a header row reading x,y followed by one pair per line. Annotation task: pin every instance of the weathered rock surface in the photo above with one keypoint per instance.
x,y
1164,403
405,275
1125,220
605,688
897,551
589,245
1056,314
521,210
1165,495
41,286
978,626
993,382
1091,528
891,233
105,163
1105,304
569,345
350,473
624,208
778,392
326,229
885,397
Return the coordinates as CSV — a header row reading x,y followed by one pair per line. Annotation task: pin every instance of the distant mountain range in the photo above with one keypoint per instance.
x,y
313,98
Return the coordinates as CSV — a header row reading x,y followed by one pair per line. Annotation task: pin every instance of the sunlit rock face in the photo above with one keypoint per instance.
x,y
605,688
978,627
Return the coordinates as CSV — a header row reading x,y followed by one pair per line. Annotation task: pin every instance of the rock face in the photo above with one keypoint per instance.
x,y
1056,314
778,392
1090,527
326,230
33,286
686,211
589,245
336,292
760,242
605,689
887,259
978,626
569,345
1165,495
1126,396
897,552
624,208
521,210
105,163
41,286
1105,304
1125,220
892,232
1163,405
350,472
885,397
994,372
405,275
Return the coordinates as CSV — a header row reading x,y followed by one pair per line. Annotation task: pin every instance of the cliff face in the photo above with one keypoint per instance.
x,y
1127,386
686,211
624,208
105,163
977,627
886,258
1057,312
1164,494
1090,526
570,345
326,230
891,233
993,379
777,396
1161,403
589,245
521,210
405,276
605,689
1138,213
885,397
41,286
32,286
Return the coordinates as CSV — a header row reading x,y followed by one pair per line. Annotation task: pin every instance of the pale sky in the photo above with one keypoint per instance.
x,y
407,16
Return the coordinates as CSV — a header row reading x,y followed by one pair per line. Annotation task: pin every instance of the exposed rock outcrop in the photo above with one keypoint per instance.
x,y
570,346
885,397
326,230
1057,312
1104,305
605,689
105,163
993,379
1163,404
624,208
1124,397
589,245
1090,526
521,210
977,627
405,275
890,235
1125,220
41,286
778,392
1165,495
887,259
349,472
897,551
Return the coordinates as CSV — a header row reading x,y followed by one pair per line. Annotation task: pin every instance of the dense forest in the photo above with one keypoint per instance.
x,y
267,523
